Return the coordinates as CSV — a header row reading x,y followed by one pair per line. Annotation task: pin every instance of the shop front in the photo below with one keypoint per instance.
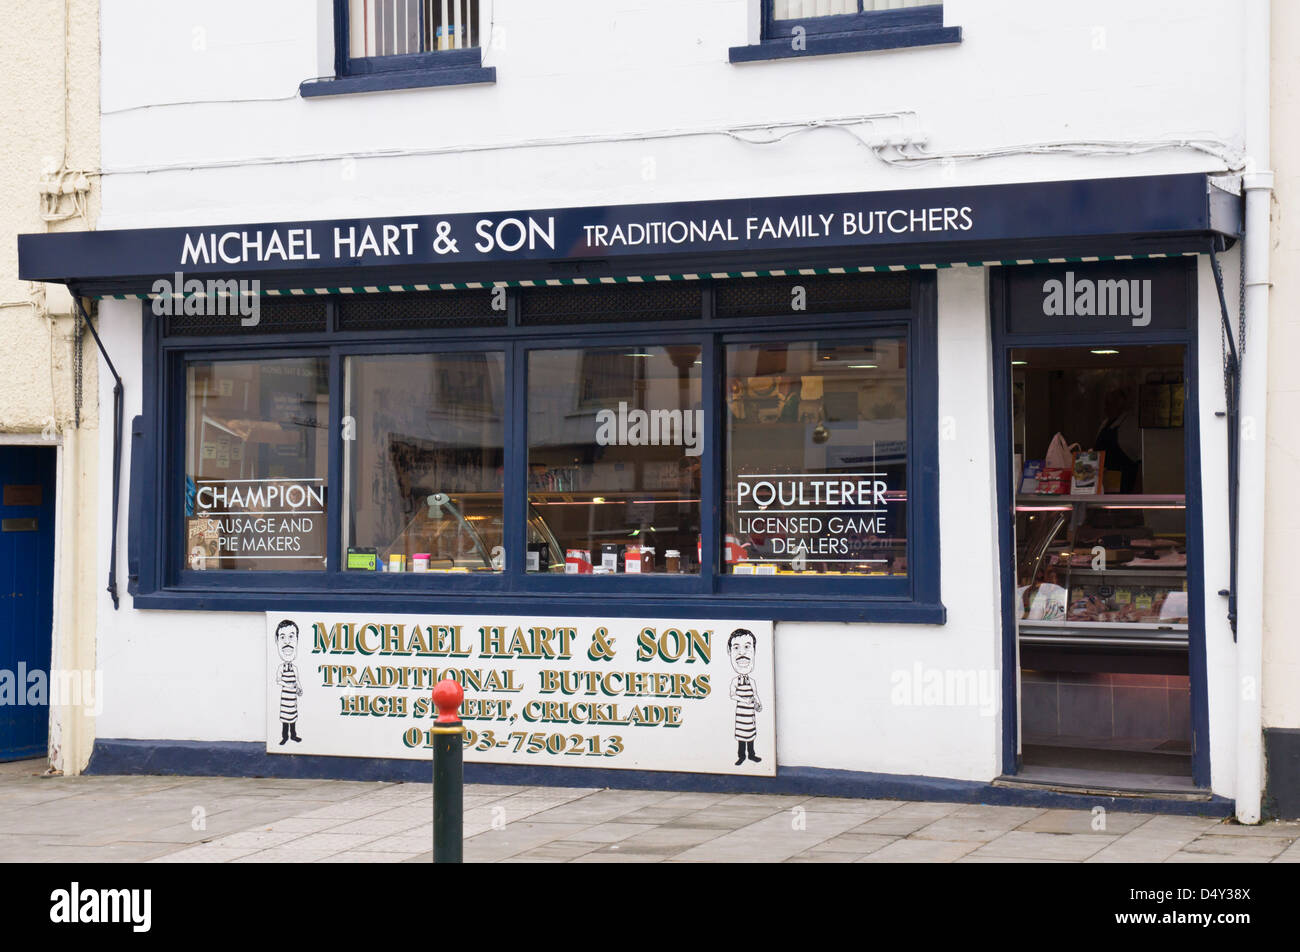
x,y
724,493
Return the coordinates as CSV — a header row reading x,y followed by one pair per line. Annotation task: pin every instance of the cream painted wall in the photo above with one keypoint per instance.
x,y
36,328
1281,686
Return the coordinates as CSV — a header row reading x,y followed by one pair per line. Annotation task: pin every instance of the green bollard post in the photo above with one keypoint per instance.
x,y
448,773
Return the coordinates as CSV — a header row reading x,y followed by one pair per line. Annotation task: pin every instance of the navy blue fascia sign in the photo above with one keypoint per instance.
x,y
1154,206
1110,298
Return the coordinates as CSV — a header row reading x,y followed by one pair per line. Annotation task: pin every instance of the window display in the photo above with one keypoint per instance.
x,y
816,474
255,463
615,438
424,463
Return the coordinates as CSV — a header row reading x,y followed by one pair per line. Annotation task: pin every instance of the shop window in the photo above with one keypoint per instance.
x,y
399,44
793,28
423,450
470,454
816,473
256,453
615,437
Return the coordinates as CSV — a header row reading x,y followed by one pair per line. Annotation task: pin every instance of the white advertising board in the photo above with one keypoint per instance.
x,y
646,694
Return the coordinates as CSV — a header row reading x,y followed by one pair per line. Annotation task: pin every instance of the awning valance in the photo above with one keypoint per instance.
x,y
656,278
1087,219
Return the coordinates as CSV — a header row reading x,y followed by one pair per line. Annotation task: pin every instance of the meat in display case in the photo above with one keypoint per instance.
x,y
1102,570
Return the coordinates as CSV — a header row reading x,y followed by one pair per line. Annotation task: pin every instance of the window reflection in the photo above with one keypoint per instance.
x,y
816,471
424,465
615,437
256,462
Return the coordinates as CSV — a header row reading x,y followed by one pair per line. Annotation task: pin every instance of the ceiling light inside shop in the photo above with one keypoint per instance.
x,y
1105,353
1019,363
637,355
862,366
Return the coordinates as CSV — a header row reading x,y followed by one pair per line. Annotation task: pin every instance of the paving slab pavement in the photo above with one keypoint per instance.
x,y
249,820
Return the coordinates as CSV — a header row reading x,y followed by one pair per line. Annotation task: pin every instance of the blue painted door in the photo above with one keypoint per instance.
x,y
26,597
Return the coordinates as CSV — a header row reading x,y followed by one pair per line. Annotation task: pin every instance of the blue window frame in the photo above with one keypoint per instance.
x,y
787,35
403,44
324,328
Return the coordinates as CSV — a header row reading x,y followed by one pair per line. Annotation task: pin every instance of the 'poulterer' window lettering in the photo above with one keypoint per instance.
x,y
817,458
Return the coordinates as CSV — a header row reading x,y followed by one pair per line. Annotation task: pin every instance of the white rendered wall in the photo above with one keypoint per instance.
x,y
1025,72
1104,70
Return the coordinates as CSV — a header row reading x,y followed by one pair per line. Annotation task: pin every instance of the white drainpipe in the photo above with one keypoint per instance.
x,y
1257,182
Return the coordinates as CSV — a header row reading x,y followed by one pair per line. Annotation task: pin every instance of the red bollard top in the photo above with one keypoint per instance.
x,y
447,695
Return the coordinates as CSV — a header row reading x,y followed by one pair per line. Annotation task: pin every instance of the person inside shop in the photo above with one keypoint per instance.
x,y
1121,440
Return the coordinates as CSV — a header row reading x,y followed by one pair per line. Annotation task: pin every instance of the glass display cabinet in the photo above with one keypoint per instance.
x,y
1103,570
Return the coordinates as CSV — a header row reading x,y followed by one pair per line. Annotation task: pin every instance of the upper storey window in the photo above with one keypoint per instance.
x,y
794,28
404,44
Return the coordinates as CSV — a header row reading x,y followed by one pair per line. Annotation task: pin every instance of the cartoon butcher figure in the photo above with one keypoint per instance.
x,y
286,675
740,648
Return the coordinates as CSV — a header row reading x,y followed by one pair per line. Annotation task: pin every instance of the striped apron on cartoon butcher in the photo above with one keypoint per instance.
x,y
288,678
746,724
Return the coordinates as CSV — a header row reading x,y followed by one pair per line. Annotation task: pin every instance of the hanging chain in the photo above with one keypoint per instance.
x,y
1228,375
1223,356
76,365
1241,306
1223,360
